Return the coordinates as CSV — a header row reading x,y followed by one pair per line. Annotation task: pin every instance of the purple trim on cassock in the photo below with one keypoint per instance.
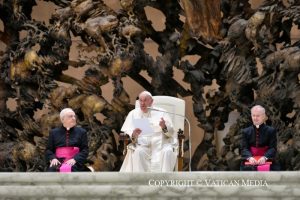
x,y
260,151
67,153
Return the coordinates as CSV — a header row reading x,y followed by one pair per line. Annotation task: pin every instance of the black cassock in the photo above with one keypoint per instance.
x,y
267,137
75,137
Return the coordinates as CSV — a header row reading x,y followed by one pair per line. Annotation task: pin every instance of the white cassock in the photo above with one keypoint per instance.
x,y
152,153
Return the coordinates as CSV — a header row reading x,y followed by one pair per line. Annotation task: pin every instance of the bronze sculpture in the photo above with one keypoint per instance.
x,y
111,47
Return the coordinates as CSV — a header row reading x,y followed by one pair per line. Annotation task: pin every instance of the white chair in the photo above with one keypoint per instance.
x,y
175,107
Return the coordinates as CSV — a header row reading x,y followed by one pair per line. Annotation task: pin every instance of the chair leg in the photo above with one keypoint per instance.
x,y
181,138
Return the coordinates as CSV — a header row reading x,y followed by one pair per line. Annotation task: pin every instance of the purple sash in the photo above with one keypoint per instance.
x,y
67,153
258,152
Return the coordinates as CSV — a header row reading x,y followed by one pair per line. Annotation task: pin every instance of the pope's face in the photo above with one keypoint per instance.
x,y
258,116
145,102
69,120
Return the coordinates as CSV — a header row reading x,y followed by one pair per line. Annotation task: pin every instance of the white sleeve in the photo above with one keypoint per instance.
x,y
169,125
128,124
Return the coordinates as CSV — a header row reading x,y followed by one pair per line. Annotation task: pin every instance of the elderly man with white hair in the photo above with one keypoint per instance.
x,y
67,148
259,143
153,152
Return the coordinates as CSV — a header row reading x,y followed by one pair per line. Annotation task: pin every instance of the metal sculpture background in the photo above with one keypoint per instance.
x,y
111,47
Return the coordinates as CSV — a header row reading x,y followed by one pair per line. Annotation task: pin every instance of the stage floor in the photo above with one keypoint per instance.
x,y
177,185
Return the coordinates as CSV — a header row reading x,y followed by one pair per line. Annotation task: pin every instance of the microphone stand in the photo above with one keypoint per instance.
x,y
189,133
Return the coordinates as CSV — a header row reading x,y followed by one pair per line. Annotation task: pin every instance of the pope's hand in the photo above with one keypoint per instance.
x,y
136,132
162,123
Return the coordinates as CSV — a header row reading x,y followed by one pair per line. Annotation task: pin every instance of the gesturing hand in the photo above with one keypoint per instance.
x,y
162,123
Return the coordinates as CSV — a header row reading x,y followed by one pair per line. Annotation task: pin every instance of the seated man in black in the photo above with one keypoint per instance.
x,y
259,143
67,148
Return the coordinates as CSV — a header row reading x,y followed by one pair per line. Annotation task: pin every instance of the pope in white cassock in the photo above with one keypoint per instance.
x,y
151,152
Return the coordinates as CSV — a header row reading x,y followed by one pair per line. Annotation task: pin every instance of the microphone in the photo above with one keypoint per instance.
x,y
189,125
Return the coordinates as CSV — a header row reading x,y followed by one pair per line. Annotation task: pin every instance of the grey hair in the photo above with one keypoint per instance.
x,y
260,108
64,112
145,93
